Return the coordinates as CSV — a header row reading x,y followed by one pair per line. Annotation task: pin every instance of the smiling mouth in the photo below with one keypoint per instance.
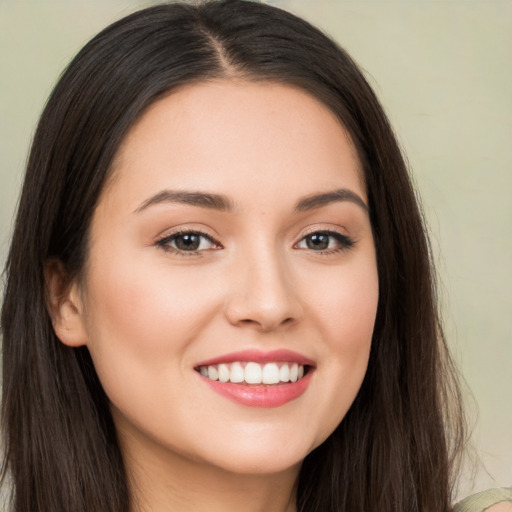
x,y
249,372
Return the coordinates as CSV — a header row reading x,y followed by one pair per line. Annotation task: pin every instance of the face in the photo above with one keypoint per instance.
x,y
230,293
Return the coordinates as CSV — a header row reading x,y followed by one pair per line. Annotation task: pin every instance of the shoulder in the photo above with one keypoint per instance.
x,y
492,500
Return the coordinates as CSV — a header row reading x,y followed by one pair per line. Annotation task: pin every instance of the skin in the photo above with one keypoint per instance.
x,y
503,506
149,314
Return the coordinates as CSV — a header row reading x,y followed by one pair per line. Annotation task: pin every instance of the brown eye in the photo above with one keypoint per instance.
x,y
318,241
189,241
326,241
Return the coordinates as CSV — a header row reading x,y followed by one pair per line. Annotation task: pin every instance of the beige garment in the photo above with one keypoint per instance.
x,y
483,500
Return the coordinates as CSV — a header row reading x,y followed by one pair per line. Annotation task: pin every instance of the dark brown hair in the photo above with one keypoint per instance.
x,y
395,448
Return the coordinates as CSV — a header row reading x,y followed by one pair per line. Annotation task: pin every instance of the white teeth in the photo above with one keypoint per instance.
x,y
213,374
253,373
223,373
294,372
237,373
270,374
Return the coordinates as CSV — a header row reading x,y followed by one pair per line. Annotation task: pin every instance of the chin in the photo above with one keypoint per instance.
x,y
262,463
260,455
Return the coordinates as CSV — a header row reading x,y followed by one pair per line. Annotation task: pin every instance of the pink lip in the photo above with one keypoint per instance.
x,y
258,356
261,395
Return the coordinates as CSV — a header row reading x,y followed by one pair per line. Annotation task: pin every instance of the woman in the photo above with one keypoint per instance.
x,y
180,332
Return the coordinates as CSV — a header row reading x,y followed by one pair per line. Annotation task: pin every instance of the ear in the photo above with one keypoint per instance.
x,y
64,305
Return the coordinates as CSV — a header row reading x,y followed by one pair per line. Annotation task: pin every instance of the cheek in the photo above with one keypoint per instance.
x,y
137,304
141,318
344,304
344,309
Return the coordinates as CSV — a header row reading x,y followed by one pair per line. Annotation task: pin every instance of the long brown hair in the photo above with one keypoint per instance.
x,y
395,448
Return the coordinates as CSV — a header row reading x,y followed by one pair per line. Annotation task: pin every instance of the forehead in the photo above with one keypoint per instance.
x,y
255,134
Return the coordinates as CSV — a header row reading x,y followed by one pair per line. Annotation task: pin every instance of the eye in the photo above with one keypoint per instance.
x,y
188,242
326,242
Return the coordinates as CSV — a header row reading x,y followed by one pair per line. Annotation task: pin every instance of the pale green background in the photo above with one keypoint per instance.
x,y
443,70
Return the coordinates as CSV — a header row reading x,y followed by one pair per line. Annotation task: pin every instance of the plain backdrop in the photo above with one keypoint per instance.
x,y
443,70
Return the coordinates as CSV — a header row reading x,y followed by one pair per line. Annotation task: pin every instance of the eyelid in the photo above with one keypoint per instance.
x,y
329,228
345,241
164,241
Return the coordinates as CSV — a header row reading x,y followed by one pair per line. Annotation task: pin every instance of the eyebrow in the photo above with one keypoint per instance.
x,y
201,199
225,204
318,200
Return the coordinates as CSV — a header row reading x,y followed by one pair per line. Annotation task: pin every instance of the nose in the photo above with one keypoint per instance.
x,y
263,294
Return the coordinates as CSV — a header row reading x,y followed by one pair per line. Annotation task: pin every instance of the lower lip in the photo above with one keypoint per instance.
x,y
273,395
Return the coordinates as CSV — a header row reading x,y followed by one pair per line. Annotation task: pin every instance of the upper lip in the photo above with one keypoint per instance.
x,y
259,356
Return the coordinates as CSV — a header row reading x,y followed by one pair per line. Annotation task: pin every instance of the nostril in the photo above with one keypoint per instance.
x,y
262,311
265,324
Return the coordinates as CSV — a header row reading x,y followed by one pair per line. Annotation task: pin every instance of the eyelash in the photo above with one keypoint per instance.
x,y
344,242
165,242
